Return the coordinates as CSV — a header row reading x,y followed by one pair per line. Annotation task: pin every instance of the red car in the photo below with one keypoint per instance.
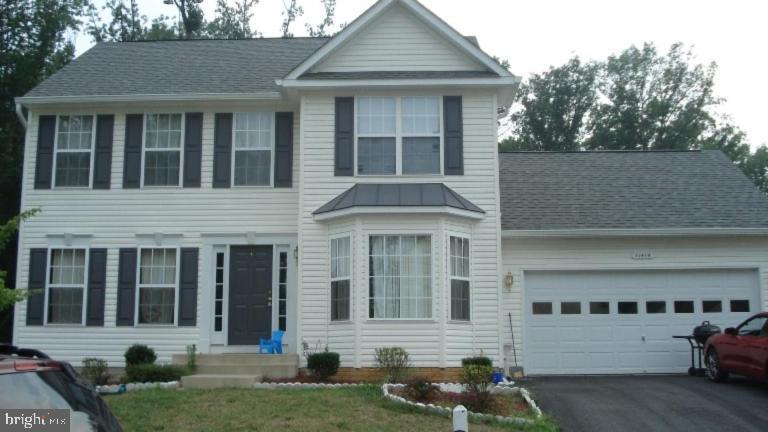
x,y
742,350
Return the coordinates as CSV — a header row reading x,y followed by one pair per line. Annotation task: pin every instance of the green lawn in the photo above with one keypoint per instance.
x,y
350,409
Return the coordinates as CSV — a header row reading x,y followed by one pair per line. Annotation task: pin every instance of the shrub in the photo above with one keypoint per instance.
x,y
477,360
323,364
139,354
95,370
148,372
192,357
421,390
394,361
477,381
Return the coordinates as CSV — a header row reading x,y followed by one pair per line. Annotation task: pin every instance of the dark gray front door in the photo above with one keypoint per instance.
x,y
250,294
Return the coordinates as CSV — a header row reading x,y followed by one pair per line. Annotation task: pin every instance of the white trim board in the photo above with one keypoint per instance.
x,y
385,210
638,232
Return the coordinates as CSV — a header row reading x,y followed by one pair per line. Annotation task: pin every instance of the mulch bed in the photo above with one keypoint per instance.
x,y
307,379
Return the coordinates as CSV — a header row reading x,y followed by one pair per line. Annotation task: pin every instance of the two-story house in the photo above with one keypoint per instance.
x,y
349,191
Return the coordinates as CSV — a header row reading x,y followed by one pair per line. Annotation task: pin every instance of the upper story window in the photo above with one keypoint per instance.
x,y
253,138
74,145
162,150
158,284
66,286
399,135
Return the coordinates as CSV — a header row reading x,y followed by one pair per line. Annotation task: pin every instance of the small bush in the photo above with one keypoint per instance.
x,y
394,361
192,357
421,390
95,370
139,354
148,372
478,361
323,364
478,381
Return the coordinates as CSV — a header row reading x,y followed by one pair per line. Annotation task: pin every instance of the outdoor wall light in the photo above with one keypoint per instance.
x,y
508,281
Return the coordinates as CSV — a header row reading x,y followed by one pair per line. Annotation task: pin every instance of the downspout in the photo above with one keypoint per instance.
x,y
20,114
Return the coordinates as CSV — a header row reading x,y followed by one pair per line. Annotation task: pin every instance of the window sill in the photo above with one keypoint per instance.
x,y
460,322
64,325
76,188
401,320
340,323
398,176
156,326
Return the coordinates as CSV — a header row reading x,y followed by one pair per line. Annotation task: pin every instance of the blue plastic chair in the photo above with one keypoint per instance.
x,y
274,345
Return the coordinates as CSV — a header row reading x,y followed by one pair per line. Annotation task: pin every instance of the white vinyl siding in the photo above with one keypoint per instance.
x,y
163,150
253,140
158,286
397,41
66,291
73,161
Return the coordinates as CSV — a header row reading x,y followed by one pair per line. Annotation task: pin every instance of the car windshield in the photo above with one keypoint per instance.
x,y
753,327
53,390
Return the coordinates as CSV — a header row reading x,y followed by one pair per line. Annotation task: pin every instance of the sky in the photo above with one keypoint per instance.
x,y
536,34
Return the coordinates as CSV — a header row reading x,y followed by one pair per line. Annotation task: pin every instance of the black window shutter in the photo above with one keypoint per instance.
x,y
454,135
97,284
283,149
188,287
344,154
134,128
102,163
126,287
38,263
222,150
46,132
193,149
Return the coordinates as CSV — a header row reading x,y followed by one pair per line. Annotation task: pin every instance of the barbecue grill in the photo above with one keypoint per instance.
x,y
697,340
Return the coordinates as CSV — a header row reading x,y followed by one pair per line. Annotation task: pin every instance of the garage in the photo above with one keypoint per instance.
x,y
622,321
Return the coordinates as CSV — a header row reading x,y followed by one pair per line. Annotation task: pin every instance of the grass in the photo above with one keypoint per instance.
x,y
350,409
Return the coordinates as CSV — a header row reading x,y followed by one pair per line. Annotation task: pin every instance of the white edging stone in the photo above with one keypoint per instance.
x,y
115,388
459,388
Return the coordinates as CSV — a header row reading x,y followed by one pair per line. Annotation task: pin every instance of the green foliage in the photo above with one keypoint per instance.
x,y
95,370
192,19
322,29
477,386
138,354
149,373
394,361
192,357
478,360
421,390
290,13
323,364
9,296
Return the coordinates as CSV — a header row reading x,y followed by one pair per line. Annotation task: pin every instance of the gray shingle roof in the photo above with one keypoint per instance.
x,y
398,75
627,190
179,67
399,195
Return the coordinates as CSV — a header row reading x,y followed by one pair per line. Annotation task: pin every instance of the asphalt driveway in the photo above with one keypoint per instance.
x,y
652,403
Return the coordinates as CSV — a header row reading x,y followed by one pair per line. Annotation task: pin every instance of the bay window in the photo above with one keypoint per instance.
x,y
459,278
74,147
253,137
400,276
341,278
399,135
66,286
158,284
162,150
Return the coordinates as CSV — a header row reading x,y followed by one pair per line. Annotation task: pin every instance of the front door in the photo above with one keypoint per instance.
x,y
250,294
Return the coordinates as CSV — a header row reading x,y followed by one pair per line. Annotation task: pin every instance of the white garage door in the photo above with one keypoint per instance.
x,y
604,322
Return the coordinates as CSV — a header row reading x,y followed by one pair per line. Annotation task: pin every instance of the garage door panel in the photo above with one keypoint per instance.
x,y
639,340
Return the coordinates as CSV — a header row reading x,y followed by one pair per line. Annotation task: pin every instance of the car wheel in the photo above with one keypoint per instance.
x,y
714,370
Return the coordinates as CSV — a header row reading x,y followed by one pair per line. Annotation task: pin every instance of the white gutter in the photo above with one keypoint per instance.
x,y
20,115
650,232
381,83
190,97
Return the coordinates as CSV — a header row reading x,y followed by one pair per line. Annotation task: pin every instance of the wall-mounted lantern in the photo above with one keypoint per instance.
x,y
508,281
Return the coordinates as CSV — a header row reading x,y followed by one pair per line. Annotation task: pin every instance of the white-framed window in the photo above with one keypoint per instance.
x,y
459,278
73,160
253,138
400,277
162,155
158,286
399,135
66,286
282,287
341,278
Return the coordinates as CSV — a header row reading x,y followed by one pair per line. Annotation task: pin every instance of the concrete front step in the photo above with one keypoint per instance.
x,y
209,381
265,365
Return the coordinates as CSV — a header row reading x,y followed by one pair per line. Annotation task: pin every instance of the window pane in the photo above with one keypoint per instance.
x,y
542,308
376,115
253,168
75,133
340,257
627,308
421,115
156,305
376,156
158,267
65,305
161,168
684,306
712,306
459,300
72,169
163,131
253,131
67,267
570,308
400,277
739,305
459,257
340,300
655,307
599,308
421,155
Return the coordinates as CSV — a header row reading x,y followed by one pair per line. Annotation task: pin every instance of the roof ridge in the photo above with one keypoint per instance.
x,y
270,38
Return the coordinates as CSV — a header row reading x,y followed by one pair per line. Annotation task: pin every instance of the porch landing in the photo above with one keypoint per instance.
x,y
237,370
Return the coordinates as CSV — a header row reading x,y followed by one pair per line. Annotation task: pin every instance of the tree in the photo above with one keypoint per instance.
x,y
554,108
126,23
192,19
291,11
322,29
233,22
653,101
10,296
